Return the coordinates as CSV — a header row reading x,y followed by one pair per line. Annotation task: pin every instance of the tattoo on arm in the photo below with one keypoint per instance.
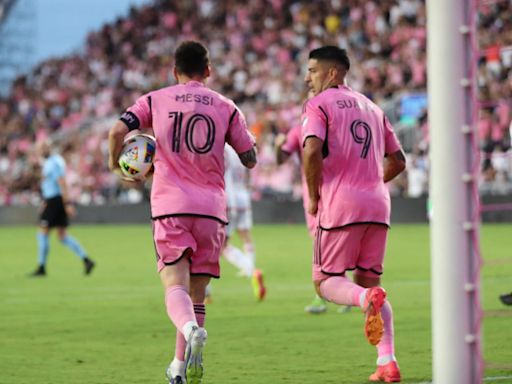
x,y
248,158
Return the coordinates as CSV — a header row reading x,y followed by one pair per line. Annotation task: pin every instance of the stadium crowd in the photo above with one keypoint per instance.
x,y
257,49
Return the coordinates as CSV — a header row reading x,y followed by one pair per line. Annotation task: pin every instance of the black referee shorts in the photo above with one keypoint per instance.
x,y
54,214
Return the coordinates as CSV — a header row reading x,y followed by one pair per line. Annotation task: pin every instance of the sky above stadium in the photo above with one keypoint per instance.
x,y
62,25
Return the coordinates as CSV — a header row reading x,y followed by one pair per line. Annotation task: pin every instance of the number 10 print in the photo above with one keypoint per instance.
x,y
190,127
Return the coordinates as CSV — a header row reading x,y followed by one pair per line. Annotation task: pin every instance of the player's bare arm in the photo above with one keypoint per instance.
x,y
115,143
70,209
281,156
313,170
394,164
248,158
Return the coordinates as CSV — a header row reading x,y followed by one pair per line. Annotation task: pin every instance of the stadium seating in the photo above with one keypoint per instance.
x,y
258,50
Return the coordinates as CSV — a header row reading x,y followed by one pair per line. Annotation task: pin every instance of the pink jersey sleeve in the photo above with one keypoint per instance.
x,y
142,110
313,122
293,140
238,136
391,141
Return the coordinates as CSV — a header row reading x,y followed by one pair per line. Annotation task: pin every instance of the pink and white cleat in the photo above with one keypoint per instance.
x,y
389,373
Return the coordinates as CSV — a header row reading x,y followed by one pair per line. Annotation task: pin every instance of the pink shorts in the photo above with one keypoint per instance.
x,y
359,247
204,236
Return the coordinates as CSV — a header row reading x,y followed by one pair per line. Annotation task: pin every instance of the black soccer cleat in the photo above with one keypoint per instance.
x,y
39,272
88,266
506,299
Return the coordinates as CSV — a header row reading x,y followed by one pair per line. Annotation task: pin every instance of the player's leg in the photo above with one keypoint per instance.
x,y
47,220
244,225
75,246
244,231
194,349
317,306
232,254
175,245
257,281
43,248
236,257
337,251
177,368
346,308
176,280
370,262
210,237
208,293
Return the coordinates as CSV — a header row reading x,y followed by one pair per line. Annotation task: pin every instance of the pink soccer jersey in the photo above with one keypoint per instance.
x,y
191,124
356,136
293,144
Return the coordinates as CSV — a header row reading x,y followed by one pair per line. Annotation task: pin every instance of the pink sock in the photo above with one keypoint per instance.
x,y
340,290
181,343
386,347
179,306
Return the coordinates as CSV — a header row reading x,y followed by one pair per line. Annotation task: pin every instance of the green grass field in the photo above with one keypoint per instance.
x,y
112,327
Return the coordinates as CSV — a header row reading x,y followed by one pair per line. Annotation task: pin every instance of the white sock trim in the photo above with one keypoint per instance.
x,y
386,359
177,367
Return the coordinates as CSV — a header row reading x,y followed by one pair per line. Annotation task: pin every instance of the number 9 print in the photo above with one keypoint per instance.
x,y
359,126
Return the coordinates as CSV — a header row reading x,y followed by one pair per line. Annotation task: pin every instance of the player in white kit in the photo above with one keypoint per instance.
x,y
238,196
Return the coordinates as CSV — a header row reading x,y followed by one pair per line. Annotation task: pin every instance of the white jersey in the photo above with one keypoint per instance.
x,y
235,178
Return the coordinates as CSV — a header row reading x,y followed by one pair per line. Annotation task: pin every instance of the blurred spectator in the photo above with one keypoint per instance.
x,y
256,48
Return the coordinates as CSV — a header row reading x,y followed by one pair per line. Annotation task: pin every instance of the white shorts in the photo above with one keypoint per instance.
x,y
239,219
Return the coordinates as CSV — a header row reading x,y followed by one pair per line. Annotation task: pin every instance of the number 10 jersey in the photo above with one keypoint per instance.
x,y
191,124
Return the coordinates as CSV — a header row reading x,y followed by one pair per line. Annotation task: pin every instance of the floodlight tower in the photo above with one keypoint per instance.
x,y
456,311
17,33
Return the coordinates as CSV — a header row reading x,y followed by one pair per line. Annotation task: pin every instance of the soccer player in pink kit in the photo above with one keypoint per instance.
x,y
350,151
191,124
286,145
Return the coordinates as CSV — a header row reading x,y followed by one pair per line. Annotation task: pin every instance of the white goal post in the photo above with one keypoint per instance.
x,y
455,266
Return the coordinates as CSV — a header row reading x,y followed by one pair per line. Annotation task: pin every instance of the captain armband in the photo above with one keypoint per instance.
x,y
131,120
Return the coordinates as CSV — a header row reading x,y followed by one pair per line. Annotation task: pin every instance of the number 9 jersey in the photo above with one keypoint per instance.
x,y
356,136
191,124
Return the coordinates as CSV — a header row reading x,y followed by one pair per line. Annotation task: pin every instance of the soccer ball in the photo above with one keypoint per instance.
x,y
137,156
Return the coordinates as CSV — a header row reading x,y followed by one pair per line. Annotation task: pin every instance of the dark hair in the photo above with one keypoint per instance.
x,y
191,58
331,53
